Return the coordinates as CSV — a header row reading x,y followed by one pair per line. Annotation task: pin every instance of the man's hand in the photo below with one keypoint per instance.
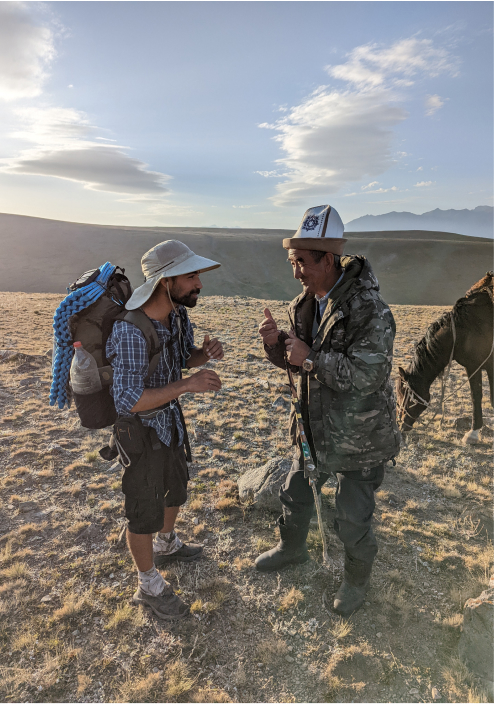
x,y
268,329
203,381
297,351
212,349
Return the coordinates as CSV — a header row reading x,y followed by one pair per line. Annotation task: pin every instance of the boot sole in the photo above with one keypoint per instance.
x,y
160,614
282,567
166,559
346,614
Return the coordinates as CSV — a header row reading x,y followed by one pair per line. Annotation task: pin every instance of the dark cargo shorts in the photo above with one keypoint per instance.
x,y
156,477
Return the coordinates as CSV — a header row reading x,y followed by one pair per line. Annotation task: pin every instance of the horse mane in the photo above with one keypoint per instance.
x,y
486,284
428,349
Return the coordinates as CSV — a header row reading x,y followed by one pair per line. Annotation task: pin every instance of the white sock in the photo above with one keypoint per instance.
x,y
167,543
152,582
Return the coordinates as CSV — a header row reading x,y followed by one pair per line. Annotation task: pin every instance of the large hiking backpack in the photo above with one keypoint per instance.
x,y
94,302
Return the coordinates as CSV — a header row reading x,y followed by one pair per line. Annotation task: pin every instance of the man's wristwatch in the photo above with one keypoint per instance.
x,y
308,364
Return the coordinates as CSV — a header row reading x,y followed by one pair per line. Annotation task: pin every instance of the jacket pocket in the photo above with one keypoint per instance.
x,y
352,432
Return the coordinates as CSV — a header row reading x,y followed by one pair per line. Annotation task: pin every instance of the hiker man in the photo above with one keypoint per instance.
x,y
150,430
341,345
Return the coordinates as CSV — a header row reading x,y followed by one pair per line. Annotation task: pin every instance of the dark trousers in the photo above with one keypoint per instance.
x,y
354,506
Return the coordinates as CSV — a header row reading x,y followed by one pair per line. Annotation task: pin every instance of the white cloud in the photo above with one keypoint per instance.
x,y
62,143
383,190
243,207
372,66
370,185
433,103
420,168
269,174
334,138
100,168
65,147
26,51
422,184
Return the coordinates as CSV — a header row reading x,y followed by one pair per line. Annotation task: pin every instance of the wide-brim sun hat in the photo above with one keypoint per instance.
x,y
321,229
170,258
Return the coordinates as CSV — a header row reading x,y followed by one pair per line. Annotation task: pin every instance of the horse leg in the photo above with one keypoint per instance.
x,y
472,437
489,369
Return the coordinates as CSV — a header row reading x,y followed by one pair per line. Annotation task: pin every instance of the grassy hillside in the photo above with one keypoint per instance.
x,y
414,267
67,630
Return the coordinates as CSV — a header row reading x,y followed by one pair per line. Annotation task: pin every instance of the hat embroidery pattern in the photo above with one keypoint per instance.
x,y
310,223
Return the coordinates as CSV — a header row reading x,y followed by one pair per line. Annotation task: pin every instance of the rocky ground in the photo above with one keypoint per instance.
x,y
67,630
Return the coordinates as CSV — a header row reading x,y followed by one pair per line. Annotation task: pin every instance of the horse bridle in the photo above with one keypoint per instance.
x,y
412,396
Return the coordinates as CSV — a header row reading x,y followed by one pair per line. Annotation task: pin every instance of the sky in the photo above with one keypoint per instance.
x,y
243,114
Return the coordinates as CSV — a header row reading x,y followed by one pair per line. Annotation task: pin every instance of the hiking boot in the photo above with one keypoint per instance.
x,y
291,550
167,605
351,594
186,553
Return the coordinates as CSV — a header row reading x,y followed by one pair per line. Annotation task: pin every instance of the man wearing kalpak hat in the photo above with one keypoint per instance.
x,y
150,426
341,345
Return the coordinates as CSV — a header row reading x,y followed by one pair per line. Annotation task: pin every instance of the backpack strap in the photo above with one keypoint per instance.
x,y
140,320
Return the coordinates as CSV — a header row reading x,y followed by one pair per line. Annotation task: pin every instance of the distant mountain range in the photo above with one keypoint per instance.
x,y
478,222
413,267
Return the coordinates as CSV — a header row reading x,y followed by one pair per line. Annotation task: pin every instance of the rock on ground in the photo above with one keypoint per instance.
x,y
262,484
475,647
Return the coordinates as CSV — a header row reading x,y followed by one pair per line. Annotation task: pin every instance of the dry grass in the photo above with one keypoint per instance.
x,y
198,529
431,521
460,684
72,607
17,570
213,472
341,629
125,615
20,472
141,689
178,680
77,527
76,468
210,694
226,504
271,651
291,600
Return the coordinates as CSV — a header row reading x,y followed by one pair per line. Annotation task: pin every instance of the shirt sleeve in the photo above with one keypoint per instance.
x,y
130,361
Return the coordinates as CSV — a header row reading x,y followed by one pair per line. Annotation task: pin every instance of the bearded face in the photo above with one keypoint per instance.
x,y
185,289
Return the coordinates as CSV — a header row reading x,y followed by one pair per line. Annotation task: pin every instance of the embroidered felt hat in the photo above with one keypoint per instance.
x,y
170,258
321,229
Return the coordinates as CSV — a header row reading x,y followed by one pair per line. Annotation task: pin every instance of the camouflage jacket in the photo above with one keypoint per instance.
x,y
347,400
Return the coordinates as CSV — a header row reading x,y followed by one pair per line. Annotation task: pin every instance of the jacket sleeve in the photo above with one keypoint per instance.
x,y
366,362
276,353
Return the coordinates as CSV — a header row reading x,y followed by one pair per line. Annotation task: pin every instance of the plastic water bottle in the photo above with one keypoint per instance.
x,y
84,374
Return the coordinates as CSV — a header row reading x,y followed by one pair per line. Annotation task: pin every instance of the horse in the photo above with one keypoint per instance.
x,y
464,334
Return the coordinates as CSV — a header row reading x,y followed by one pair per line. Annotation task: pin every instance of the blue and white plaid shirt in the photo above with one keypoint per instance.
x,y
127,349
